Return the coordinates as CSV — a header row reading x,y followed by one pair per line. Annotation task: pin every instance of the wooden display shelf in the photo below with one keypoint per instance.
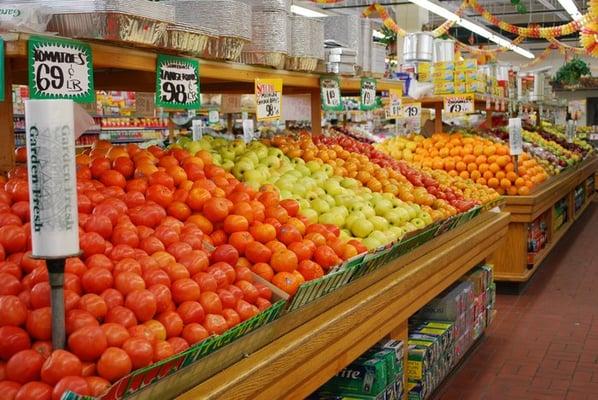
x,y
511,261
294,355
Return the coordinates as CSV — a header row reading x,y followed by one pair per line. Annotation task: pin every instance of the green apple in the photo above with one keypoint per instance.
x,y
228,165
332,187
332,218
380,223
397,216
345,235
310,214
340,209
371,243
253,175
361,228
330,200
313,166
344,199
320,205
298,161
357,206
353,217
302,169
378,235
409,227
285,194
253,156
241,167
303,204
273,151
349,183
368,211
271,162
426,217
418,222
382,206
227,154
397,232
319,176
327,168
238,146
311,195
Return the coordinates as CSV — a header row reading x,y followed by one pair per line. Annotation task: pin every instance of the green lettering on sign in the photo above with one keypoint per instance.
x,y
60,69
177,82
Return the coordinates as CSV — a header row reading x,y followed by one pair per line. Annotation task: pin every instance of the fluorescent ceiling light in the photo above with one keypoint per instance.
x,y
306,12
571,8
473,27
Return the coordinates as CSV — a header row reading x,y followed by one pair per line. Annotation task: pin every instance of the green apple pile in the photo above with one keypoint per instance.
x,y
375,218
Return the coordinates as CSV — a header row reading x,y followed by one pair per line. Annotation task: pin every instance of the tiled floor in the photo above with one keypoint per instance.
x,y
543,343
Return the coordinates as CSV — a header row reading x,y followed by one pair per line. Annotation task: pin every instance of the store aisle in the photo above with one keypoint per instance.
x,y
543,343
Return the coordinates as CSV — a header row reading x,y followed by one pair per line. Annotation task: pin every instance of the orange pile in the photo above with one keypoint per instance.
x,y
480,160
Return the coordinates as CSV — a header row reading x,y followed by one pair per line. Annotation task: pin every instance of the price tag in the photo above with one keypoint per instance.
x,y
368,94
515,140
330,94
412,110
177,82
268,98
1,69
248,130
458,104
197,129
60,69
394,108
213,116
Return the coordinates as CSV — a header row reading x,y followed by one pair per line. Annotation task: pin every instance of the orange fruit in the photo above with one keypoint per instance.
x,y
286,281
452,172
478,150
494,168
481,181
483,167
449,164
460,166
481,159
512,176
490,150
488,175
500,175
512,191
519,182
505,183
523,190
472,167
502,150
510,167
493,182
464,174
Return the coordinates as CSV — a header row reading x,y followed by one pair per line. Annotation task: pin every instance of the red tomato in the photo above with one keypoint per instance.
x,y
121,251
93,304
71,300
142,331
147,263
127,282
134,199
262,304
227,299
194,333
172,322
91,243
232,317
207,282
140,351
99,260
9,389
127,265
121,315
225,253
215,324
258,252
288,234
211,302
61,363
216,209
88,343
40,295
112,298
96,280
176,271
179,249
43,347
219,275
195,261
151,244
191,311
125,236
72,282
243,274
155,276
178,344
263,290
137,185
163,297
10,268
238,293
99,165
160,194
75,384
124,165
185,290
246,310
24,366
143,303
77,319
75,266
97,385
8,218
39,323
100,224
114,364
326,257
34,390
157,329
250,293
291,206
12,311
179,210
116,334
166,234
162,350
109,209
235,223
9,285
13,340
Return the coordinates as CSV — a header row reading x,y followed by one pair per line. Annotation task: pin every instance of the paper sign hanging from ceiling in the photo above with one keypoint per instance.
x,y
60,69
177,82
268,98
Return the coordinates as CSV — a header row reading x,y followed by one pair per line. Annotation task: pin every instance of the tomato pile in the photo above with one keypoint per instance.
x,y
170,243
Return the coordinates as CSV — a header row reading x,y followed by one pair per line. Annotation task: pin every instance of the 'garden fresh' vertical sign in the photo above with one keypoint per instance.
x,y
268,99
177,82
60,69
368,94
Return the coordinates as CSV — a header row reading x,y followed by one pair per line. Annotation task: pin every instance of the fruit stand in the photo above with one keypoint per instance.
x,y
511,262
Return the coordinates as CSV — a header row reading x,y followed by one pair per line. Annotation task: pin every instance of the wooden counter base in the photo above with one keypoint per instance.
x,y
301,360
511,260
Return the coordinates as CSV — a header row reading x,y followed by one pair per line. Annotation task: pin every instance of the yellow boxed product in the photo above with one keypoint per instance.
x,y
460,87
442,76
471,76
473,87
424,77
424,67
460,76
444,66
444,87
466,65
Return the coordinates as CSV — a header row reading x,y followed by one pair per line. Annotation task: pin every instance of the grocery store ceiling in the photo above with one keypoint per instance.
x,y
541,12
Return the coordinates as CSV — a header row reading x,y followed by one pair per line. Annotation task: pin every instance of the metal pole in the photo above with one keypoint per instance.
x,y
56,272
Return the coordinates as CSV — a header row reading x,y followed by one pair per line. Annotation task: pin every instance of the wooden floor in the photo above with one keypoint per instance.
x,y
543,343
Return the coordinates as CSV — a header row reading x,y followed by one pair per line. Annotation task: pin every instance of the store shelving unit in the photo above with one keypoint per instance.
x,y
511,260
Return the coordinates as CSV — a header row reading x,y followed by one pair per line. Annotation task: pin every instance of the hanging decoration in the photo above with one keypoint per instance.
x,y
539,58
534,32
566,48
589,33
474,50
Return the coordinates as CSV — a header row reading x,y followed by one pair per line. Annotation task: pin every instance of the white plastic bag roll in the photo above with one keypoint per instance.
x,y
50,138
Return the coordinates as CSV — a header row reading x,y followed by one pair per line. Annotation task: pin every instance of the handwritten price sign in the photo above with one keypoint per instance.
x,y
394,108
268,99
458,104
368,94
177,82
60,69
331,94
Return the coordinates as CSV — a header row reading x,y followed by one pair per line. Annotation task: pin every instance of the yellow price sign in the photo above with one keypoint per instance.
x,y
268,99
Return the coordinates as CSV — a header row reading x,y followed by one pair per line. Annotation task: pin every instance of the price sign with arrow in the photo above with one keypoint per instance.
x,y
330,93
60,69
368,94
458,104
268,99
177,82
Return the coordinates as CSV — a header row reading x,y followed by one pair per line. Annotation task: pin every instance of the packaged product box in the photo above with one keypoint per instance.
x,y
460,87
473,87
444,88
396,347
471,76
447,306
444,66
442,76
362,377
389,356
468,64
424,77
424,72
459,76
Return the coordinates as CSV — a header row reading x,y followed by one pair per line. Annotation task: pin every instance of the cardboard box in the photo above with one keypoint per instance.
x,y
460,76
460,87
424,77
471,76
468,64
444,88
444,66
442,76
362,377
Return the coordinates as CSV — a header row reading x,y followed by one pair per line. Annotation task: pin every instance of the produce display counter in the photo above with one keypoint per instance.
x,y
511,262
295,354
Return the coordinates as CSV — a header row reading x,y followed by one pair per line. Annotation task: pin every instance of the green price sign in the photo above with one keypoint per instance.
x,y
330,93
177,82
368,94
60,69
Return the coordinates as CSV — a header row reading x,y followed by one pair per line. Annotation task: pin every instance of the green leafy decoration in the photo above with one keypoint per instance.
x,y
570,72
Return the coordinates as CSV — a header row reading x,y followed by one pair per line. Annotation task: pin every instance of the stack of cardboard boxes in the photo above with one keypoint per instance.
x,y
444,330
457,77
